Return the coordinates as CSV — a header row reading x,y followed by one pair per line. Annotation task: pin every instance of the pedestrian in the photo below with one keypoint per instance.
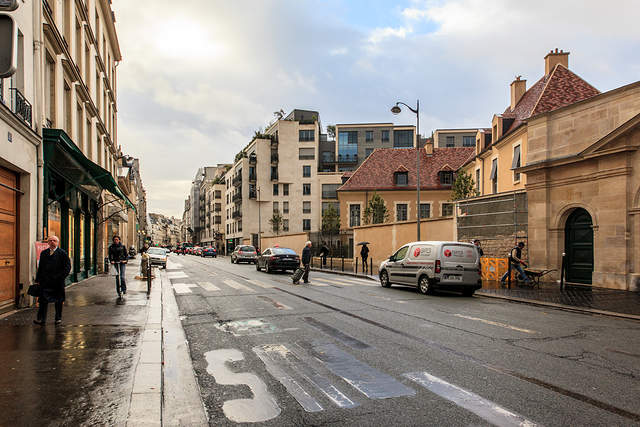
x,y
118,258
324,251
364,254
306,262
53,269
515,260
480,251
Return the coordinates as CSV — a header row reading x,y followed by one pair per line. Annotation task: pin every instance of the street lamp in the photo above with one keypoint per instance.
x,y
397,110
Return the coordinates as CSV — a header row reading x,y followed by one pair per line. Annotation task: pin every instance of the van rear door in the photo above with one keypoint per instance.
x,y
459,264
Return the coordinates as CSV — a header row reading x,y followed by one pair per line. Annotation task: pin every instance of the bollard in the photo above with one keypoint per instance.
x,y
370,266
106,265
509,271
342,258
562,267
331,262
356,265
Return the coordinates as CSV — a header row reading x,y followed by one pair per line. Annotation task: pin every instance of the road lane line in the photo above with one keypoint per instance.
x,y
485,409
237,286
208,286
502,325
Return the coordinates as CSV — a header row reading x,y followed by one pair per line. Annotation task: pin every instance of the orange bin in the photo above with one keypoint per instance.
x,y
494,268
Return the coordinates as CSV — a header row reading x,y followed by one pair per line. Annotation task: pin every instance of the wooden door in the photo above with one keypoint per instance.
x,y
579,246
8,231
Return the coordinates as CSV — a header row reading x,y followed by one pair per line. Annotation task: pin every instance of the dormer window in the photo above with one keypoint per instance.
x,y
401,179
446,177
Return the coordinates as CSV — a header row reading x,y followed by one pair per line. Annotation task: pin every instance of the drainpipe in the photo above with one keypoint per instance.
x,y
38,104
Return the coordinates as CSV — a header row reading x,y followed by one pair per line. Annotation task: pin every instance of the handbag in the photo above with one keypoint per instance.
x,y
34,290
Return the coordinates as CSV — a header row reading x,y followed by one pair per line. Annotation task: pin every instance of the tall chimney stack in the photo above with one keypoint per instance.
x,y
518,88
554,58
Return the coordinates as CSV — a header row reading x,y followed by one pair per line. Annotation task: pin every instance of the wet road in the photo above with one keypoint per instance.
x,y
349,352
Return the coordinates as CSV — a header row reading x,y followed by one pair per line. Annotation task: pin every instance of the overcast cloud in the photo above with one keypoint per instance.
x,y
198,79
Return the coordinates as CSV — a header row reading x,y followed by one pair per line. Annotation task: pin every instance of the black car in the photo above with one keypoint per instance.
x,y
277,258
209,252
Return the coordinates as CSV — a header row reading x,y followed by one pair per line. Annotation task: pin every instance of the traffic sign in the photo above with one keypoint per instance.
x,y
8,46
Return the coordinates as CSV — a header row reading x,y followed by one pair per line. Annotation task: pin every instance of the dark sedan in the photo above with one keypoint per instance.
x,y
278,259
209,252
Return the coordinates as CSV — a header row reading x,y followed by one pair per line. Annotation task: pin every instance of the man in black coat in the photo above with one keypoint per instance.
x,y
118,257
53,269
306,261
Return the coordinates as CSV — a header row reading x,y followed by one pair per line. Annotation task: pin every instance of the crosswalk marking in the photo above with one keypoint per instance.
x,y
470,401
208,286
238,286
352,282
183,288
262,285
176,275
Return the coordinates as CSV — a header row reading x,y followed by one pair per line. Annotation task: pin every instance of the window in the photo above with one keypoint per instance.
x,y
285,207
306,207
401,212
447,209
367,152
306,189
306,171
446,177
494,175
468,141
327,156
275,189
306,153
274,173
402,252
285,225
276,207
218,194
330,191
478,181
425,210
50,89
306,135
347,146
66,112
306,225
285,189
401,178
326,205
451,142
515,163
403,138
368,136
354,215
385,136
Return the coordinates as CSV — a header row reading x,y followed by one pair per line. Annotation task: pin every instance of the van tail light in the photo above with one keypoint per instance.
x,y
438,267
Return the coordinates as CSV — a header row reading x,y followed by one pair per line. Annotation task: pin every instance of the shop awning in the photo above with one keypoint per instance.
x,y
63,156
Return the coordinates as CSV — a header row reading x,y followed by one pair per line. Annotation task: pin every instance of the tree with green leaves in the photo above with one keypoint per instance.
x,y
276,223
376,211
330,220
463,187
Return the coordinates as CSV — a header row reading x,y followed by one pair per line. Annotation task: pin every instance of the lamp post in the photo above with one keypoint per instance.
x,y
259,221
396,110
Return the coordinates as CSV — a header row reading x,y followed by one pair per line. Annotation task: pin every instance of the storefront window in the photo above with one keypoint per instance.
x,y
91,242
71,237
82,260
54,225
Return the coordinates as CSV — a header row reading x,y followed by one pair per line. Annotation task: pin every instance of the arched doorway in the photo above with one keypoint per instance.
x,y
578,243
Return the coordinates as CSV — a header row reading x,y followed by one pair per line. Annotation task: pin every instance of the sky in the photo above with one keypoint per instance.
x,y
196,80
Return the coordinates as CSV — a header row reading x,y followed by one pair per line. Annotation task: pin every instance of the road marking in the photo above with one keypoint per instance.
x,y
502,325
323,282
183,288
275,303
276,366
261,407
247,327
173,265
208,286
176,275
238,286
355,281
367,380
262,285
480,406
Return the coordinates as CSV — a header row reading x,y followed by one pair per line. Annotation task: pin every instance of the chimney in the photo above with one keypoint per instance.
x,y
518,88
554,58
428,146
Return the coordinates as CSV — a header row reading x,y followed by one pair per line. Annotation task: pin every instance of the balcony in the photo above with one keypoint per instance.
x,y
274,157
252,177
252,194
236,197
237,180
253,159
274,141
346,158
236,214
20,106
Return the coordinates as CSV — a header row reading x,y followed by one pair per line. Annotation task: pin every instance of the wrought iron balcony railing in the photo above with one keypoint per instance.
x,y
20,106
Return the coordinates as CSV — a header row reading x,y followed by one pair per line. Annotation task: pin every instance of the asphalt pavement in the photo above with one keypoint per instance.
x,y
346,351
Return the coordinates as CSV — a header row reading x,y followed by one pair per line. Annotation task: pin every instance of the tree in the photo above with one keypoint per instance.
x,y
376,212
331,131
276,223
463,187
330,220
279,114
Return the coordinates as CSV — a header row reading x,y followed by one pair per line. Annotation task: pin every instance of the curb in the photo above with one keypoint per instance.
x,y
560,306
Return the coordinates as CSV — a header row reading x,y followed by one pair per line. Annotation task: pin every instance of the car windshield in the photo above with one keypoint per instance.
x,y
248,249
156,251
283,251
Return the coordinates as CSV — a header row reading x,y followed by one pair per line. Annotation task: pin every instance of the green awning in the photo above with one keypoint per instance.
x,y
63,156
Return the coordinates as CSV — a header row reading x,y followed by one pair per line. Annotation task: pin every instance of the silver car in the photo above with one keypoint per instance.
x,y
157,256
244,253
434,265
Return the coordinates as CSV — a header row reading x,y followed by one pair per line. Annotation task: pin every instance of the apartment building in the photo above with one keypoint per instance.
x,y
450,138
213,232
355,142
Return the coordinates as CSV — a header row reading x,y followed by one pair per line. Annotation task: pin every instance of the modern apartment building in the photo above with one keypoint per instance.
x,y
451,138
355,142
213,232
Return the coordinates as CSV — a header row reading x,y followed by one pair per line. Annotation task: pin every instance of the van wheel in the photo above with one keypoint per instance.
x,y
384,280
424,286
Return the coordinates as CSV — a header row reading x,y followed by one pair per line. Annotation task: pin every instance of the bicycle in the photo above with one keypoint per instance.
x,y
148,279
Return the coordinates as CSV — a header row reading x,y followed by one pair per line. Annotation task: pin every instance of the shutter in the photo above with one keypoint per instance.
x,y
494,170
515,163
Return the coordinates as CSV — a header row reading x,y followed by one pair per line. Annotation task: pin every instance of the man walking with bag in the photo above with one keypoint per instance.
x,y
53,268
118,258
306,262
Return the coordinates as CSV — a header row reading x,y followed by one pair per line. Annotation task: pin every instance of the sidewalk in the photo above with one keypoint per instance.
x,y
588,299
102,365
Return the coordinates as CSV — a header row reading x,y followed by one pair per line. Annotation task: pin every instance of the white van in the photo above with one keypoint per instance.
x,y
451,266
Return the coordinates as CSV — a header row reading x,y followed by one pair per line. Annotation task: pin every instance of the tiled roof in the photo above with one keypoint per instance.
x,y
377,171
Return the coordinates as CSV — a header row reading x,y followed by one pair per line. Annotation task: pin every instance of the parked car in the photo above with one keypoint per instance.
x,y
157,256
210,251
244,253
452,266
198,251
277,258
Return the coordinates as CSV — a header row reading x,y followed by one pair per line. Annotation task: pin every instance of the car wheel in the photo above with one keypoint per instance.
x,y
384,279
231,260
468,292
267,269
257,267
424,285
